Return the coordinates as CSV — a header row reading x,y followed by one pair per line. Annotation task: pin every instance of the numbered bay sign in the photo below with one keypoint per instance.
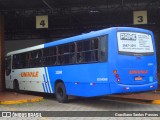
x,y
140,17
42,21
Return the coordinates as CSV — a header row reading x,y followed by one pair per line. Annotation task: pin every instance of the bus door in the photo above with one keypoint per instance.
x,y
136,60
8,68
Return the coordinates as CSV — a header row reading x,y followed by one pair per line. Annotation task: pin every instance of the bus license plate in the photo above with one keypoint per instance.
x,y
138,78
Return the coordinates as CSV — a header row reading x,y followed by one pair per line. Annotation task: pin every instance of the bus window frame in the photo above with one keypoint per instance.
x,y
42,58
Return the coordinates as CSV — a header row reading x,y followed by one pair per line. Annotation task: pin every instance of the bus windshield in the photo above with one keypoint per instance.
x,y
134,43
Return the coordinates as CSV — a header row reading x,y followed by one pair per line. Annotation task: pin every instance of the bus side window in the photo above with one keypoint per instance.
x,y
52,58
69,54
14,62
17,61
86,45
102,54
72,56
29,60
66,54
37,58
8,65
32,59
80,53
87,51
94,49
49,56
45,55
23,60
26,59
57,56
60,55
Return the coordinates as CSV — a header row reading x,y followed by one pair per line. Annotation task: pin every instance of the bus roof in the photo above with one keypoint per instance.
x,y
84,36
91,34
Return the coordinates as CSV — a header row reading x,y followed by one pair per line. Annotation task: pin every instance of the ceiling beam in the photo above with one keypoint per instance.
x,y
46,3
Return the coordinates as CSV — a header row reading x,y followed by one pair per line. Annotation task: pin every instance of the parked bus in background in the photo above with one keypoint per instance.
x,y
108,61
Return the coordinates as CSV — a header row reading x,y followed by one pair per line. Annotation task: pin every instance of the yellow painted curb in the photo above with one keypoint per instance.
x,y
138,101
156,102
20,101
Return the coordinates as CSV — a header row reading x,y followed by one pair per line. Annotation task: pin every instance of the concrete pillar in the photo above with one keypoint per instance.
x,y
2,61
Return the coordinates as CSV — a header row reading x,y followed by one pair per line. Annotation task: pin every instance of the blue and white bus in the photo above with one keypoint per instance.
x,y
108,61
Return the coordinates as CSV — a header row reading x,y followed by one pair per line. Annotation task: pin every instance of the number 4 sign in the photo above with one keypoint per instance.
x,y
42,21
140,17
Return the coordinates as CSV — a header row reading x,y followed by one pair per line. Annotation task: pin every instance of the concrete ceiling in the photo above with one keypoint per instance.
x,y
71,17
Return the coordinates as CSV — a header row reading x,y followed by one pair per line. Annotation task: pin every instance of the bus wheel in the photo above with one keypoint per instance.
x,y
16,86
60,92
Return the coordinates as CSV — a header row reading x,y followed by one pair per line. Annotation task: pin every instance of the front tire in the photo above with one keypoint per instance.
x,y
60,92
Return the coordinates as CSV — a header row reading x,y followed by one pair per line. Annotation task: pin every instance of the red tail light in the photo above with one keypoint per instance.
x,y
117,76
